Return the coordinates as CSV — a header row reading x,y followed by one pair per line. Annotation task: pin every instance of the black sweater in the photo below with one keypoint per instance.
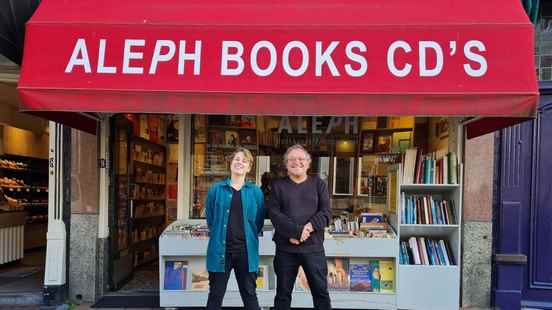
x,y
293,205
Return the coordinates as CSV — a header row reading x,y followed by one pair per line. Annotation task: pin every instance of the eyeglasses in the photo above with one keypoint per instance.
x,y
299,159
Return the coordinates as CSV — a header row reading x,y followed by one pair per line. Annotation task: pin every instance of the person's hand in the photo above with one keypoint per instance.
x,y
307,230
294,241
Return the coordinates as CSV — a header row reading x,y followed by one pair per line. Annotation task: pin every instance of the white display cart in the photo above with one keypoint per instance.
x,y
173,247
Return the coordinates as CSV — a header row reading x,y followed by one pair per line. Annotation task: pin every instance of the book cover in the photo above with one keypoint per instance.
x,y
375,275
338,273
414,247
423,250
200,276
361,279
409,166
444,250
387,281
176,275
262,277
449,252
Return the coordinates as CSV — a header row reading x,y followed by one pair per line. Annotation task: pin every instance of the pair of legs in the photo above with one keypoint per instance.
x,y
286,266
246,282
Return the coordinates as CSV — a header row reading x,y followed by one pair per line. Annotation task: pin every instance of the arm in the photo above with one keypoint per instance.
x,y
210,207
260,210
284,225
322,218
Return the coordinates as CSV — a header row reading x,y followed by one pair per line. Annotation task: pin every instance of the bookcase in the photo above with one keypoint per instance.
x,y
430,286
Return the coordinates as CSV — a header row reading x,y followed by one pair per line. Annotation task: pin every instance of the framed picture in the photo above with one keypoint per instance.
x,y
247,139
343,174
231,138
367,142
383,143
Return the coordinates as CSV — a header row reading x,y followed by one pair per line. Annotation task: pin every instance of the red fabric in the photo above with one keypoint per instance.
x,y
507,88
487,125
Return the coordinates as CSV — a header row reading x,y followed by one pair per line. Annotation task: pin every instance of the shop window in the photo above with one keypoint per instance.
x,y
353,155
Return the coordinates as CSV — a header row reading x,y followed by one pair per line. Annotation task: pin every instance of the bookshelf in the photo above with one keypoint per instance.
x,y
441,283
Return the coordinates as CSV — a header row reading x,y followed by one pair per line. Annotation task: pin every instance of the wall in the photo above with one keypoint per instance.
x,y
22,142
83,253
477,222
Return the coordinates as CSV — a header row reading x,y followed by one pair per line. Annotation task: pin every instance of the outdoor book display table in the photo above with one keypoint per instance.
x,y
173,247
428,285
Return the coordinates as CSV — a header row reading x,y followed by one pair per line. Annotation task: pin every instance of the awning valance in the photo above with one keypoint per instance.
x,y
392,57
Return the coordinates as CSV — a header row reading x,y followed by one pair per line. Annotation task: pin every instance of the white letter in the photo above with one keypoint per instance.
x,y
304,62
424,71
195,57
325,57
356,58
128,55
391,59
80,48
334,123
273,58
285,124
157,56
237,58
101,60
315,124
475,57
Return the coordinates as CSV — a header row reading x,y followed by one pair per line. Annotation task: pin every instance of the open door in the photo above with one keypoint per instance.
x,y
121,262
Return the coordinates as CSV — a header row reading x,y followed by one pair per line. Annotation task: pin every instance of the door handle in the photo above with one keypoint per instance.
x,y
518,259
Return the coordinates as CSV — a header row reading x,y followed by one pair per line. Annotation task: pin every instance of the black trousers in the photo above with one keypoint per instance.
x,y
286,266
246,282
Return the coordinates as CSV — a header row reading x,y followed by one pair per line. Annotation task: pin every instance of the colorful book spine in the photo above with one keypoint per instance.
x,y
387,270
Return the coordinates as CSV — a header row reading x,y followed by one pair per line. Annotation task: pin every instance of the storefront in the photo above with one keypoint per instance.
x,y
373,90
23,193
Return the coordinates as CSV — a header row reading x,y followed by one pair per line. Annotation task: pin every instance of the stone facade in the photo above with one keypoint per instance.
x,y
477,222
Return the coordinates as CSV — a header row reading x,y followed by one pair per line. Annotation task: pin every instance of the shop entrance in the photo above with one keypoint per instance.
x,y
23,214
143,197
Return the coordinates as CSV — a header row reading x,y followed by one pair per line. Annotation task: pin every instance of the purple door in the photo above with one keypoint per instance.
x,y
523,214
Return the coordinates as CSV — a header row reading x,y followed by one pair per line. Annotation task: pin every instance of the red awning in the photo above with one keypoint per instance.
x,y
385,57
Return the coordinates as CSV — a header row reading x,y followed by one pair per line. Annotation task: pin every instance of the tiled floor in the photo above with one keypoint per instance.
x,y
146,278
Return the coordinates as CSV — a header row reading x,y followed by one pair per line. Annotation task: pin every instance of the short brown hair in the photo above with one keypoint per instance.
x,y
246,153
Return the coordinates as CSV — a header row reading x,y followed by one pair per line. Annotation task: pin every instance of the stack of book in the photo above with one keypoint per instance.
x,y
374,275
426,209
423,251
430,168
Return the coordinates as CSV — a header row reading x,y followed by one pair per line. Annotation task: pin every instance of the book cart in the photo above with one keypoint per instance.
x,y
416,286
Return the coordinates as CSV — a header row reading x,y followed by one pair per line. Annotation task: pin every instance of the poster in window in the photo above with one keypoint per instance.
x,y
383,143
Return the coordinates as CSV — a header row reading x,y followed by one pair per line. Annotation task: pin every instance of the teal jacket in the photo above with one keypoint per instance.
x,y
217,209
